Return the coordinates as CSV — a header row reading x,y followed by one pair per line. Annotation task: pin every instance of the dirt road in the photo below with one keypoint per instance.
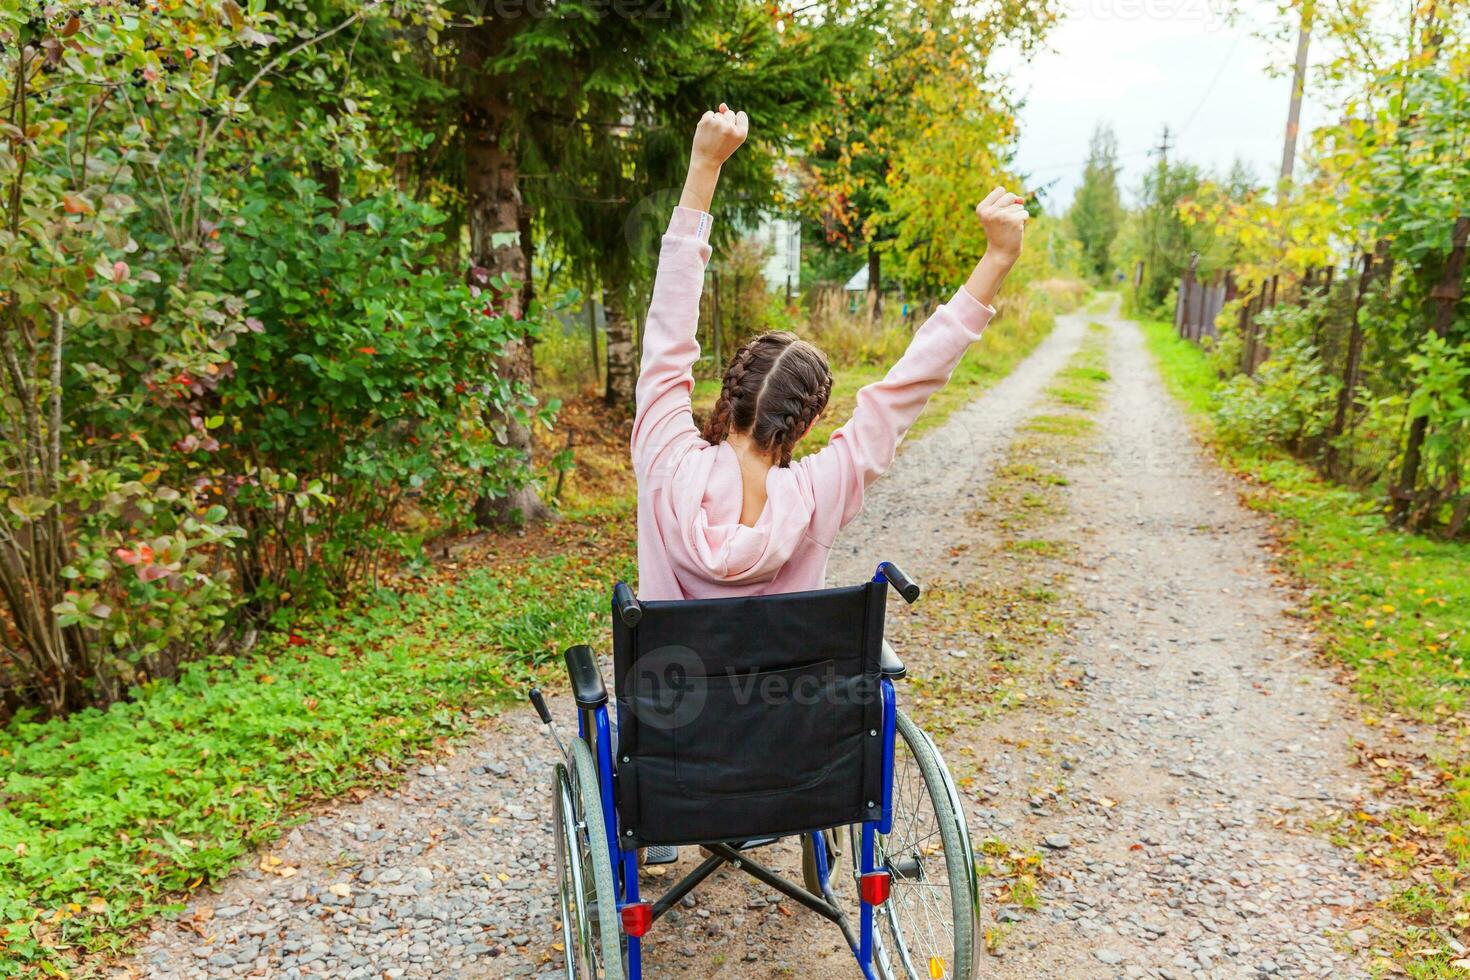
x,y
1164,743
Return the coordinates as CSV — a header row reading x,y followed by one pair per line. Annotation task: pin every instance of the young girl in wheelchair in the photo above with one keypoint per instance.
x,y
722,513
725,511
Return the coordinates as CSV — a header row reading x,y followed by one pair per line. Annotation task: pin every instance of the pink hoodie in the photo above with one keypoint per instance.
x,y
691,544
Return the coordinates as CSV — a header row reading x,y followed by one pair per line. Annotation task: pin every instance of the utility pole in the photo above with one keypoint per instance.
x,y
1151,258
1298,86
1163,148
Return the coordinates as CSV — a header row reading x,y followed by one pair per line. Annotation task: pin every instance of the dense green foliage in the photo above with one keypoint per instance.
x,y
171,330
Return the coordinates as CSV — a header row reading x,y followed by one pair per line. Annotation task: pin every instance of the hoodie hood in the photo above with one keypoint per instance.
x,y
706,496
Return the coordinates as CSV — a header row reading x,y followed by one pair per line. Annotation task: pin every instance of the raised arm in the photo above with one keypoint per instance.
x,y
864,448
664,419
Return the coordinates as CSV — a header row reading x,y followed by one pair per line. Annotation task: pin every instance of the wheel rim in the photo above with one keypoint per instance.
x,y
578,927
919,915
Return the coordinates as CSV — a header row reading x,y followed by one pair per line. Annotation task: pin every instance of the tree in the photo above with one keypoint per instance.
x,y
604,191
937,179
1164,239
1097,211
919,46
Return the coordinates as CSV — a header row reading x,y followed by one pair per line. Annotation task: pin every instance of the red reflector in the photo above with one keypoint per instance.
x,y
637,918
874,887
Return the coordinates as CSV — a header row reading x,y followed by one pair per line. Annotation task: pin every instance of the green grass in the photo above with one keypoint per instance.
x,y
1059,425
110,815
1394,608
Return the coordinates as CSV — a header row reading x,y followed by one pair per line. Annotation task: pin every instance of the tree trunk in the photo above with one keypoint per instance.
x,y
714,322
494,208
1347,394
875,283
592,336
622,372
1443,299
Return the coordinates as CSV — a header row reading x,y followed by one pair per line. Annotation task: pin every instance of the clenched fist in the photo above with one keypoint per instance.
x,y
1003,215
718,136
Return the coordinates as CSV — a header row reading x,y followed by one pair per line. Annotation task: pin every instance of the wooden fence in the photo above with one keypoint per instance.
x,y
1200,301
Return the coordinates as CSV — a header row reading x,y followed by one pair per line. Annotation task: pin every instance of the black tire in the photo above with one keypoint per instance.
x,y
586,887
926,921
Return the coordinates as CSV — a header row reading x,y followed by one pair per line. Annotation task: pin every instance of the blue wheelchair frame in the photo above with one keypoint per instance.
x,y
594,727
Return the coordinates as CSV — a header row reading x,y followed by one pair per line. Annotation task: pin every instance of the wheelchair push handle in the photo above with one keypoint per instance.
x,y
538,701
625,605
894,576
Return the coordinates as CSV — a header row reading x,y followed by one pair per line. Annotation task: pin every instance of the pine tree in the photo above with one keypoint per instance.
x,y
1097,212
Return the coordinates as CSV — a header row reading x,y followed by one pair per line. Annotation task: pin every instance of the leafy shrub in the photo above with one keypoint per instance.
x,y
1288,401
366,380
112,331
206,366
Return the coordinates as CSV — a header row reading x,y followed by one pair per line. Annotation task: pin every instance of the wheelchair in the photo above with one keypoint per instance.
x,y
742,721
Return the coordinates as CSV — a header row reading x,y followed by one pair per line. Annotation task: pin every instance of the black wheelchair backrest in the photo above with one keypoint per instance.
x,y
748,717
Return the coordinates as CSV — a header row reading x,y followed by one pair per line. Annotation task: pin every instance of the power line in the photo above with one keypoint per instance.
x,y
1210,88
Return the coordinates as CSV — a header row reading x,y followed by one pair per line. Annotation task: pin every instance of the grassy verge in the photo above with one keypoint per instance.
x,y
1394,610
110,815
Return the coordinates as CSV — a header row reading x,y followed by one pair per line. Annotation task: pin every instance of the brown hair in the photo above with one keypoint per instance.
x,y
775,387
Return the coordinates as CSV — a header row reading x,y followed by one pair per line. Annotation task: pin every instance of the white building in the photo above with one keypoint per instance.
x,y
781,238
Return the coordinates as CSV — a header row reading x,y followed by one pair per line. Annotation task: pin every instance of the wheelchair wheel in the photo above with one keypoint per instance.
x,y
929,927
591,936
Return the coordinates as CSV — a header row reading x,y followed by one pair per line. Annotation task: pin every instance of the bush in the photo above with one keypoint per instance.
x,y
208,367
110,564
366,381
1288,402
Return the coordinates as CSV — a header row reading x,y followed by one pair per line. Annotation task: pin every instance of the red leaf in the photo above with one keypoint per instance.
x,y
152,573
296,640
367,350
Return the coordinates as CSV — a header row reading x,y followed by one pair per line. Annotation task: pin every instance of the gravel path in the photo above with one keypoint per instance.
x,y
1169,788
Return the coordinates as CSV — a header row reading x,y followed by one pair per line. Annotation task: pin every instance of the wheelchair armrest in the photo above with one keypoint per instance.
x,y
890,665
587,686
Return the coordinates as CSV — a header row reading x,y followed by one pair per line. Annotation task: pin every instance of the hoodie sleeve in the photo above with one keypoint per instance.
x,y
863,449
664,418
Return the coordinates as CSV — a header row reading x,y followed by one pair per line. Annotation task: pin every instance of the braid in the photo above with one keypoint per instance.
x,y
773,390
717,426
799,424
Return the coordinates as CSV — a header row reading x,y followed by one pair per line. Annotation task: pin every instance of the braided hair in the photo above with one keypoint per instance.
x,y
774,388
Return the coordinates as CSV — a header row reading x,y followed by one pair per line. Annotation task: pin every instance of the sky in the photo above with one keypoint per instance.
x,y
1139,64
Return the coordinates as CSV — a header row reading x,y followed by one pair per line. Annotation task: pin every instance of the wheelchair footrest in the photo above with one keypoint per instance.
x,y
661,854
